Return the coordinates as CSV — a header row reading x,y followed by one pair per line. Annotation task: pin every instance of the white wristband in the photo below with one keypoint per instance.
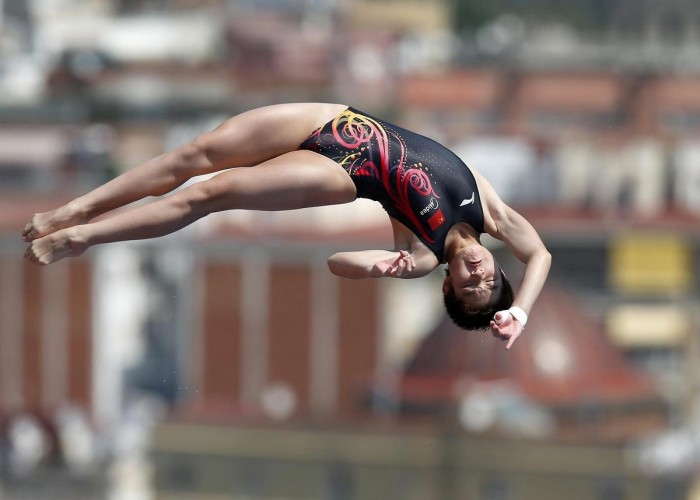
x,y
518,314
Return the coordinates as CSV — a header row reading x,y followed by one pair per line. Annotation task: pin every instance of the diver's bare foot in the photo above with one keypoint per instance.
x,y
49,222
55,246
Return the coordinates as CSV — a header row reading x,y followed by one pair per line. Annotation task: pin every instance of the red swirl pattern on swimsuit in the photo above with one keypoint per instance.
x,y
360,133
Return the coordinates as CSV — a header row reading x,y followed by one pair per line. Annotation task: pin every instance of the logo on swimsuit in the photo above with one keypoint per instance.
x,y
467,201
433,205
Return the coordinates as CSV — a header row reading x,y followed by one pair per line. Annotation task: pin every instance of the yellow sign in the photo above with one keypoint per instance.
x,y
650,264
649,325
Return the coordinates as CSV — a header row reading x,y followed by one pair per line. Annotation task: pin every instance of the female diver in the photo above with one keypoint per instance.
x,y
312,154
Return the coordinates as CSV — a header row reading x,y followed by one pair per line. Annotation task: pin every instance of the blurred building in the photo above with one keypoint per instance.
x,y
361,463
566,380
586,121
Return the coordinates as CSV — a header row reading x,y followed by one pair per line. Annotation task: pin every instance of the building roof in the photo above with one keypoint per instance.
x,y
562,359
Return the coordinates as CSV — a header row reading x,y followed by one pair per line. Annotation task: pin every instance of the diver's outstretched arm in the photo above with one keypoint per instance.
x,y
524,242
507,225
381,264
409,259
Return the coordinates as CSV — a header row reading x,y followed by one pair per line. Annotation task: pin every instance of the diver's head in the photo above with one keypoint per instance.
x,y
475,287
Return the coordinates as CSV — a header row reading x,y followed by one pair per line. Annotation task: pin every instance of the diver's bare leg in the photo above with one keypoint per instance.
x,y
246,139
293,180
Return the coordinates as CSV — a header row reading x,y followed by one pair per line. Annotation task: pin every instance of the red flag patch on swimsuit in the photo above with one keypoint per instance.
x,y
436,220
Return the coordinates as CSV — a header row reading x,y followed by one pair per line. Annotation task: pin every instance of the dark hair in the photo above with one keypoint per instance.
x,y
471,318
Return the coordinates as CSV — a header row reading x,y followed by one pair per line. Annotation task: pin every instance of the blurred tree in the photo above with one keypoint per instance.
x,y
583,15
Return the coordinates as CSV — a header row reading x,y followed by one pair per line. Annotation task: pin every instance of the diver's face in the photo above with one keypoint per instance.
x,y
474,276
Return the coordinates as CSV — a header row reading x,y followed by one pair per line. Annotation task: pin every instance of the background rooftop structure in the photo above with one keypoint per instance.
x,y
225,361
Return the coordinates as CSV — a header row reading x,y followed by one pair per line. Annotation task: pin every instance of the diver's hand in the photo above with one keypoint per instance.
x,y
396,266
505,327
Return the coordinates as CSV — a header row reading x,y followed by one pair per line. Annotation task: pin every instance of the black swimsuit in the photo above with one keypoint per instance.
x,y
419,182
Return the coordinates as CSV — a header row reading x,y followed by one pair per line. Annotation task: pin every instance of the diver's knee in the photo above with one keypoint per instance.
x,y
194,155
206,197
